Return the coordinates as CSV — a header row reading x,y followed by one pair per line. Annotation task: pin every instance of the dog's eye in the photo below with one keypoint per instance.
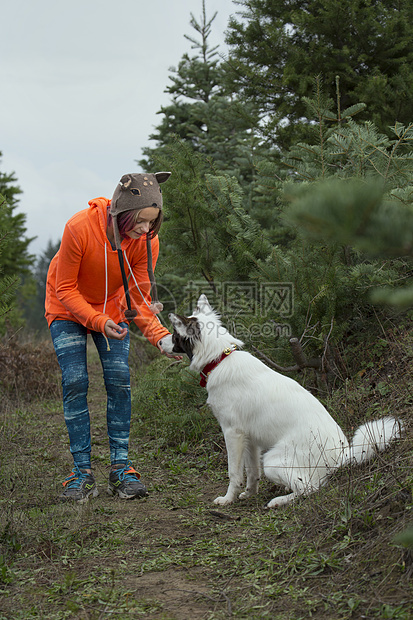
x,y
135,192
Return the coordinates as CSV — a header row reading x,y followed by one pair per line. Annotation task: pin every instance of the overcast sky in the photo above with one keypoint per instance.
x,y
81,83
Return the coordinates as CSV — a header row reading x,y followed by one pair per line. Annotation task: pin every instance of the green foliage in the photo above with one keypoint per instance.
x,y
351,212
207,234
33,305
330,217
277,48
187,244
332,202
356,197
344,222
204,115
8,287
8,283
237,233
177,399
405,538
15,259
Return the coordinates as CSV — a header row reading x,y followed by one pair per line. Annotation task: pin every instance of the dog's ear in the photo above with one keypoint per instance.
x,y
203,304
175,320
177,323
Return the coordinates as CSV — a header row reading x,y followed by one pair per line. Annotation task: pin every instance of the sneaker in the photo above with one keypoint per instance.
x,y
79,486
125,482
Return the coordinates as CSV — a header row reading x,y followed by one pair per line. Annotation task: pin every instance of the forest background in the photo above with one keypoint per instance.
x,y
290,199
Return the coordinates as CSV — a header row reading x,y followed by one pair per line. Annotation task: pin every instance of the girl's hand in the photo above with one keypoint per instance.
x,y
112,330
174,357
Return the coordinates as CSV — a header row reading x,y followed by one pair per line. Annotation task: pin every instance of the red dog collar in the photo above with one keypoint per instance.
x,y
206,371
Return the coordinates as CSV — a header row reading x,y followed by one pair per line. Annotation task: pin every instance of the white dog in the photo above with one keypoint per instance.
x,y
264,414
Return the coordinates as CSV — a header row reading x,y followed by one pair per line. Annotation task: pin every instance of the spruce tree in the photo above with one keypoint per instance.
x,y
8,283
277,49
32,304
345,200
202,132
207,236
203,113
15,258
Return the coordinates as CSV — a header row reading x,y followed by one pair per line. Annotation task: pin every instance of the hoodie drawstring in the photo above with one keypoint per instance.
x,y
106,278
137,286
134,279
106,293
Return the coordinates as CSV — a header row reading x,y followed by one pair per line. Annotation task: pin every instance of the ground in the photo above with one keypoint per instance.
x,y
174,555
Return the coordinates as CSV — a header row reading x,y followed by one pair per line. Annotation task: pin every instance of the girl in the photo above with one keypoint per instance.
x,y
99,280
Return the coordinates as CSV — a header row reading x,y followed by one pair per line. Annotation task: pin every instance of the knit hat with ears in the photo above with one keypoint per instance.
x,y
134,192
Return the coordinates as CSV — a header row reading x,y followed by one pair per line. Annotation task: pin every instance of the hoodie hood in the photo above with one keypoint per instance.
x,y
98,218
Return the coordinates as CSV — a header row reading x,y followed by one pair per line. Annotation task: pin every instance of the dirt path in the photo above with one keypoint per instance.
x,y
177,515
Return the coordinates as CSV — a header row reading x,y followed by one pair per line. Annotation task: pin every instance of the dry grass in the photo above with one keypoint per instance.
x,y
28,370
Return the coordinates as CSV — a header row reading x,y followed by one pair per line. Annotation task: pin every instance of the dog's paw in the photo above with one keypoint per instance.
x,y
223,501
282,500
273,504
245,494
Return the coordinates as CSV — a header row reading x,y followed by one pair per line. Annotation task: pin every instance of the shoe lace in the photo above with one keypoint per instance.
x,y
127,472
75,478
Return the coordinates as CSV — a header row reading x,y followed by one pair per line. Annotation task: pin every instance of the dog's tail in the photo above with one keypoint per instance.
x,y
374,437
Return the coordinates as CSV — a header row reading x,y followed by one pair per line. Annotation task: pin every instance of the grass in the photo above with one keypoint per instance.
x,y
175,555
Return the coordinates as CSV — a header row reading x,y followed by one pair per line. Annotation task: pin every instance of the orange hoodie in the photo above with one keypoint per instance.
x,y
84,281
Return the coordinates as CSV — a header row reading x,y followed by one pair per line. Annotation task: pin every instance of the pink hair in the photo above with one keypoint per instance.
x,y
127,221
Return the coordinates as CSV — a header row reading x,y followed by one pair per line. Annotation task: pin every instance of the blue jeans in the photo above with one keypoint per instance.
x,y
69,341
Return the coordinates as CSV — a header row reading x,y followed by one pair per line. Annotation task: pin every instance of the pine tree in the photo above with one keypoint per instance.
x,y
202,132
207,236
239,225
278,48
8,284
203,113
32,304
345,198
15,258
